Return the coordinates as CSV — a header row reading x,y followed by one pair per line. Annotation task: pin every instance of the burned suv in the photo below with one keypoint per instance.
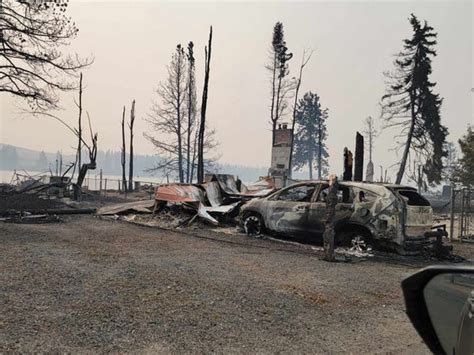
x,y
384,215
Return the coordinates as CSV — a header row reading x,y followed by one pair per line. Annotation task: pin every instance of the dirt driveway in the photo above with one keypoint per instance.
x,y
87,285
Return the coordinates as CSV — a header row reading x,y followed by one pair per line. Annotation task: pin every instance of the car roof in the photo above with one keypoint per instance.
x,y
371,186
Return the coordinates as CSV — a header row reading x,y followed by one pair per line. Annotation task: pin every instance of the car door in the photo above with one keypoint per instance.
x,y
288,210
317,209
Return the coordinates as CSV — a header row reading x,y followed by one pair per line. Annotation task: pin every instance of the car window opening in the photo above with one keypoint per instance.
x,y
344,194
298,194
413,198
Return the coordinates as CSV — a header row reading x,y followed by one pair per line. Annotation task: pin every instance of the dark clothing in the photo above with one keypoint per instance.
x,y
329,232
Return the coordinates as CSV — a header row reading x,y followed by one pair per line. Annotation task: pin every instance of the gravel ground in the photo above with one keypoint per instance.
x,y
89,285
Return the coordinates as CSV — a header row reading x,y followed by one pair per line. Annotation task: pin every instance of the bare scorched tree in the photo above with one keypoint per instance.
x,y
167,117
92,152
90,146
33,67
173,118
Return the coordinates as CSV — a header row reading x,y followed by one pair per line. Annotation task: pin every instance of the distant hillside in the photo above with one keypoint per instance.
x,y
13,157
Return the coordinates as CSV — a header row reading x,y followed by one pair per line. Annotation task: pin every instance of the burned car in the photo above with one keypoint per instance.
x,y
383,215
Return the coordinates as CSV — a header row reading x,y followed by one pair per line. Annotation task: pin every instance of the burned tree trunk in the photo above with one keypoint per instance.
x,y
406,150
191,106
329,231
202,127
359,158
347,175
130,169
77,187
79,125
124,178
370,133
320,150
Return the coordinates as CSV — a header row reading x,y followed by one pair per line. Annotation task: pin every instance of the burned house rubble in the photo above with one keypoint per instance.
x,y
218,197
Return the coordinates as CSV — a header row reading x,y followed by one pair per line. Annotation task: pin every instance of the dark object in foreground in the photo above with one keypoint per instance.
x,y
440,304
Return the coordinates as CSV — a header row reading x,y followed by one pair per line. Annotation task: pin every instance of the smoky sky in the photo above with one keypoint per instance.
x,y
353,44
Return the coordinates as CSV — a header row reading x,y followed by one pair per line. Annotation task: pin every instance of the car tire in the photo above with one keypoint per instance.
x,y
253,224
355,239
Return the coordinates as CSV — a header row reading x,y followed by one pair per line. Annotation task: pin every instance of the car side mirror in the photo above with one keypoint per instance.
x,y
440,304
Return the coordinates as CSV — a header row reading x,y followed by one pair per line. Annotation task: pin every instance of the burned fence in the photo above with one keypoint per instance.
x,y
461,214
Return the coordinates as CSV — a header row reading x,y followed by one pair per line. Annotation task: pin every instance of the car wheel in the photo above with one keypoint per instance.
x,y
356,240
360,243
253,224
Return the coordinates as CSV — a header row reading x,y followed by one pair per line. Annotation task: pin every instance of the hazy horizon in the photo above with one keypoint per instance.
x,y
353,43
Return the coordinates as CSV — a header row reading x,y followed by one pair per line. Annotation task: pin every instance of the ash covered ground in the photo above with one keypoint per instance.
x,y
92,285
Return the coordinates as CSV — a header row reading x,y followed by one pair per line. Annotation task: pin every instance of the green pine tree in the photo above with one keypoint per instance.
x,y
466,168
411,105
310,149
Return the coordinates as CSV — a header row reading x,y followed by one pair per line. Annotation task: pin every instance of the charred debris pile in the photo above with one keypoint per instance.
x,y
36,199
216,202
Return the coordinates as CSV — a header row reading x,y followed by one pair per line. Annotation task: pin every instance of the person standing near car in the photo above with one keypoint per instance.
x,y
329,232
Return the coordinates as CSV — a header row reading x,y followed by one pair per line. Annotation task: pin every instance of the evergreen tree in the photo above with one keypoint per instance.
x,y
411,105
280,84
450,165
466,168
310,136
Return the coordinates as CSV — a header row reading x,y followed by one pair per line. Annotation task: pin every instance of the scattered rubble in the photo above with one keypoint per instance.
x,y
26,202
143,206
29,202
31,219
216,201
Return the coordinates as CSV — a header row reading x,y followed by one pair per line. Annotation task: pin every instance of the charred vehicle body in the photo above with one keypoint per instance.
x,y
384,215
